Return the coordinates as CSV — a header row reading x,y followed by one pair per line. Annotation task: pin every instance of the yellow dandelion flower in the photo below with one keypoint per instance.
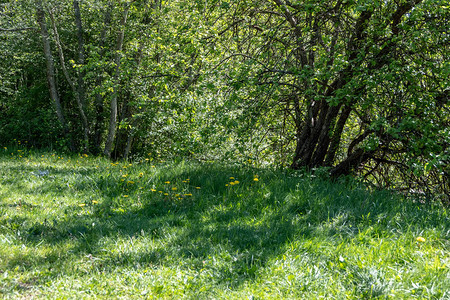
x,y
232,183
125,196
130,182
231,178
167,182
94,202
124,175
226,184
255,179
174,189
82,204
141,174
420,239
236,182
153,190
166,194
188,195
160,192
146,159
197,187
177,195
184,181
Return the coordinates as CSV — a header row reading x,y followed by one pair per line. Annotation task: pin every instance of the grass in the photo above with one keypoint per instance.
x,y
83,227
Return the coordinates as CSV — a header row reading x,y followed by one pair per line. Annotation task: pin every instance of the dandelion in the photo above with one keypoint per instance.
x,y
166,194
167,182
188,195
130,182
153,190
124,175
236,182
231,178
184,181
125,196
141,174
82,204
94,202
197,187
174,189
420,239
255,179
177,195
232,183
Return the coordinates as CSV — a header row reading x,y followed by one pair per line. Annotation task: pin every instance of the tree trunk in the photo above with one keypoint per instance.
x,y
40,17
99,108
113,111
81,86
72,86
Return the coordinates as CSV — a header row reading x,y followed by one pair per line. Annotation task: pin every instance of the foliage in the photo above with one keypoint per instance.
x,y
358,87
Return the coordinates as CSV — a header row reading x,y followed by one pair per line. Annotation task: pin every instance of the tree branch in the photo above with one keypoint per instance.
x,y
17,29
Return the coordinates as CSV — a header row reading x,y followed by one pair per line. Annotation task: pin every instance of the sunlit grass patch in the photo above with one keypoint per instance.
x,y
80,226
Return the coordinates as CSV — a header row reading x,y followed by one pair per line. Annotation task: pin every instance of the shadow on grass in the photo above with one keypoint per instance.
x,y
247,227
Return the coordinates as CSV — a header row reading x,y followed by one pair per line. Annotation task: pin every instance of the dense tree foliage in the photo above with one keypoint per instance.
x,y
350,86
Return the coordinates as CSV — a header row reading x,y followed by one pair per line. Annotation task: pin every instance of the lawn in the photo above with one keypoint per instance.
x,y
85,227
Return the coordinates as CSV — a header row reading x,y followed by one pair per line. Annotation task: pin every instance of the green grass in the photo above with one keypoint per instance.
x,y
82,227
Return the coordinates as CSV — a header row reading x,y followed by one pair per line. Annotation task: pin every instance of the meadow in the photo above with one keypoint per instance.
x,y
84,227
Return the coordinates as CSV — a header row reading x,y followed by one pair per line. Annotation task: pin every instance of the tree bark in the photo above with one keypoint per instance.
x,y
40,17
113,111
72,86
99,107
81,86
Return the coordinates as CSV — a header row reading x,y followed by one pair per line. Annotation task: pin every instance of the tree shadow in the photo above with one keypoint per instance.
x,y
250,227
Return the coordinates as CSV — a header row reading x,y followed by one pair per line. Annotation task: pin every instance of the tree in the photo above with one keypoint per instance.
x,y
352,76
40,17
